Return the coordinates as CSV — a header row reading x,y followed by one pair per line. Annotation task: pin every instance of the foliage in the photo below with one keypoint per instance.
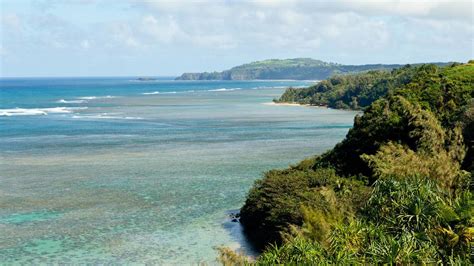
x,y
392,119
279,199
405,221
299,250
441,90
396,190
405,205
229,257
401,162
353,91
468,135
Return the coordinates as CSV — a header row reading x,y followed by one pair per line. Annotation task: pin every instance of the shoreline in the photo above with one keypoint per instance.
x,y
294,104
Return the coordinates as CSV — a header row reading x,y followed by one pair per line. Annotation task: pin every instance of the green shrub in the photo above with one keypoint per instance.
x,y
396,190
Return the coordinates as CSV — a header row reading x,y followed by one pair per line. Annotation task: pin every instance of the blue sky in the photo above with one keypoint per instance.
x,y
128,38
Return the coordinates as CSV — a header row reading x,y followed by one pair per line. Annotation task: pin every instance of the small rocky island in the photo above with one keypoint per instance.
x,y
145,79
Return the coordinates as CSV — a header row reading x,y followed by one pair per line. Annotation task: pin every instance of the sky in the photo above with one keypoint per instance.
x,y
166,38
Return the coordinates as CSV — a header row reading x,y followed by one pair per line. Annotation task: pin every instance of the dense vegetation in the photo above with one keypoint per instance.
x,y
398,189
354,91
298,68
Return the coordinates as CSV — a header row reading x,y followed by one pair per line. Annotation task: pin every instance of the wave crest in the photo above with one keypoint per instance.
x,y
226,89
38,111
97,97
71,101
106,116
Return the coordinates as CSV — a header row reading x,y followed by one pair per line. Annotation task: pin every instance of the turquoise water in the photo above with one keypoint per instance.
x,y
112,170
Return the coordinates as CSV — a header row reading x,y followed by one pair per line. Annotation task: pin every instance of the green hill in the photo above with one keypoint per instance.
x,y
297,69
397,190
354,91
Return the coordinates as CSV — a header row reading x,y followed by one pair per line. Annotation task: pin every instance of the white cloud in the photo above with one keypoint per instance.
x,y
427,9
279,24
295,24
3,51
85,44
123,35
11,22
357,31
164,29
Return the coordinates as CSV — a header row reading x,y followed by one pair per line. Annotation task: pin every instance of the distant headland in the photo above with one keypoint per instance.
x,y
296,69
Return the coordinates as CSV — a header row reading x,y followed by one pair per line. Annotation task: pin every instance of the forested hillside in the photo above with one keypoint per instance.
x,y
397,189
297,69
354,91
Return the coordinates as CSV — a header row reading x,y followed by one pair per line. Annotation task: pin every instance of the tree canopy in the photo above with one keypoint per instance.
x,y
397,189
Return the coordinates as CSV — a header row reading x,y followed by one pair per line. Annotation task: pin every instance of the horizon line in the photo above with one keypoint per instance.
x,y
177,75
98,76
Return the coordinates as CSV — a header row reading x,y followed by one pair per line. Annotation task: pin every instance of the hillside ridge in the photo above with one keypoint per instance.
x,y
294,68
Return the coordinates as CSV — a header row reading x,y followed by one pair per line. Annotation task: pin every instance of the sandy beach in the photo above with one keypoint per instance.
x,y
286,104
293,104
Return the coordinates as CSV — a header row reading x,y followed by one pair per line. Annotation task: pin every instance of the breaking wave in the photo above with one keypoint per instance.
x,y
225,89
38,111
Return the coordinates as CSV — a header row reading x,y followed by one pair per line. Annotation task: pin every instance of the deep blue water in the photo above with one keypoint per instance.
x,y
115,170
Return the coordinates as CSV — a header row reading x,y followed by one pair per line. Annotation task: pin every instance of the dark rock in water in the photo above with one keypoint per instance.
x,y
145,79
234,216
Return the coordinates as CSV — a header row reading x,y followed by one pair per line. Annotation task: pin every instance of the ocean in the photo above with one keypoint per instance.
x,y
116,170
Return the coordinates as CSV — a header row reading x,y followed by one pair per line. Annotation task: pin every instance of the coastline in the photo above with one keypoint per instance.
x,y
294,104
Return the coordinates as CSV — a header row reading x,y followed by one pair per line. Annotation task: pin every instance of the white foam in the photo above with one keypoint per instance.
x,y
225,89
97,97
38,111
164,92
71,101
106,116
